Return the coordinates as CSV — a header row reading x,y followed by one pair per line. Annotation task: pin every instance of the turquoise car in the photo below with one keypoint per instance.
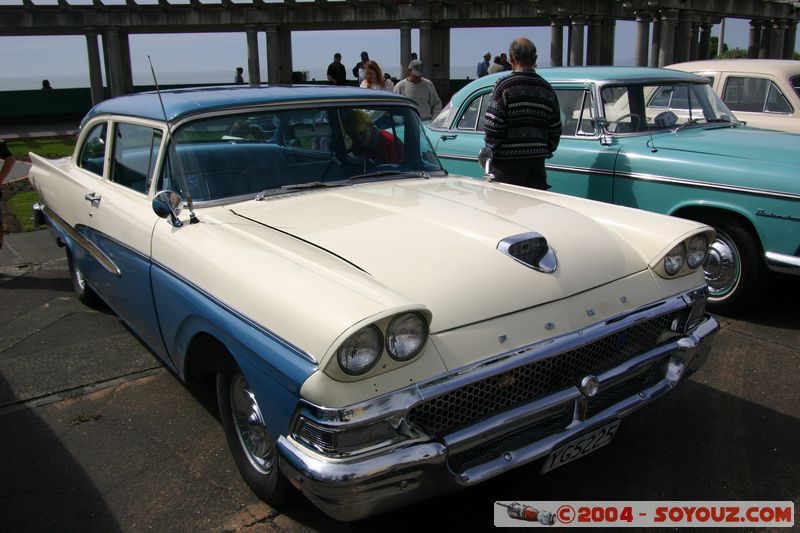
x,y
663,141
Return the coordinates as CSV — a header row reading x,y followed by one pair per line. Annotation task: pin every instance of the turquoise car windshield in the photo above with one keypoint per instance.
x,y
645,108
248,154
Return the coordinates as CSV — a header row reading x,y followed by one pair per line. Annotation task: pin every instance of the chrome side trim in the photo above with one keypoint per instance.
x,y
708,185
787,264
82,241
579,170
458,157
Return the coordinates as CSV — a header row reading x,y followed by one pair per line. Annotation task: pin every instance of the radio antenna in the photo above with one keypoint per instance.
x,y
192,216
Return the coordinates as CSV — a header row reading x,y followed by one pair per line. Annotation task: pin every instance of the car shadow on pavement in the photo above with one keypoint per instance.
x,y
44,488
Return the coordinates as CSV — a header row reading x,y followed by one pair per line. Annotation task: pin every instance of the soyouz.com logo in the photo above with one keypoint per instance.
x,y
760,514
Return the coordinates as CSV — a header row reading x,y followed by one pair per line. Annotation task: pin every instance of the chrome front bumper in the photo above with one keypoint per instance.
x,y
356,487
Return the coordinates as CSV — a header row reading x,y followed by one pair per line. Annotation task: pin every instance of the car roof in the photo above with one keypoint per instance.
x,y
180,103
587,74
785,67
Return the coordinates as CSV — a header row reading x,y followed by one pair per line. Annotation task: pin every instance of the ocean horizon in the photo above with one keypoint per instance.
x,y
173,77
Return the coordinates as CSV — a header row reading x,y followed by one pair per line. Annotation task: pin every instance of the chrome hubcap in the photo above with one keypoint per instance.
x,y
79,278
252,432
722,267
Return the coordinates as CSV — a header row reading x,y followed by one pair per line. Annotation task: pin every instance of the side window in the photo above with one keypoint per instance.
x,y
482,112
576,112
93,152
135,154
310,131
795,83
745,94
776,102
469,120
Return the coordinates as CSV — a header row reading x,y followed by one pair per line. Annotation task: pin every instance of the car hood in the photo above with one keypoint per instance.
x,y
737,142
435,242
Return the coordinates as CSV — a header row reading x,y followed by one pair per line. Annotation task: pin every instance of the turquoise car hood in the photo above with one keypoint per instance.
x,y
742,157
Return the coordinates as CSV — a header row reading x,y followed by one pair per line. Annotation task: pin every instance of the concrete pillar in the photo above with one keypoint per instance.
x,y
405,48
754,42
253,62
666,52
778,34
95,74
115,71
789,39
704,48
125,53
593,39
440,60
576,41
556,42
273,57
285,66
642,38
766,39
607,38
425,47
694,47
683,34
655,41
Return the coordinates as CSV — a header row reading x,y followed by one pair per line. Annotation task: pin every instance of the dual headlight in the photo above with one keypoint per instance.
x,y
403,340
691,252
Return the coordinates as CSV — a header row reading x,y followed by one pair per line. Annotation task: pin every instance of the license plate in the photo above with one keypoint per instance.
x,y
580,446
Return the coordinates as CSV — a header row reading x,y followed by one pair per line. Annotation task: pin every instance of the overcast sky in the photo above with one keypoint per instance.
x,y
201,58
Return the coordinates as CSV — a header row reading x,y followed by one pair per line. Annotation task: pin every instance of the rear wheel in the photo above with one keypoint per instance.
x,y
85,293
251,444
734,268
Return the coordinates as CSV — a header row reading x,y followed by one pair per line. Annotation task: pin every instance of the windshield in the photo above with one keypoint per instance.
x,y
642,108
246,154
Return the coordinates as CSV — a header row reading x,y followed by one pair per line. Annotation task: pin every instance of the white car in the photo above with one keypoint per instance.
x,y
380,331
765,93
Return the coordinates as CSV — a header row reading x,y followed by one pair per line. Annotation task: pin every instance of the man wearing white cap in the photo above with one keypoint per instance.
x,y
483,66
421,90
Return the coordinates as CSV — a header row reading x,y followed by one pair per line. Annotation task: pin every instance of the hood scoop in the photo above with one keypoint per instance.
x,y
530,249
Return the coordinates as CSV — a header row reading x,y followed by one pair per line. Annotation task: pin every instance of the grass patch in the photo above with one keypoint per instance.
x,y
50,147
20,204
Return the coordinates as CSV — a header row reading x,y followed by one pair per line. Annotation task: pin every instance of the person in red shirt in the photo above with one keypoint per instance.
x,y
378,145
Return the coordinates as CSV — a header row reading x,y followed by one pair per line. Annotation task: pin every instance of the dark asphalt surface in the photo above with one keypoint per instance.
x,y
95,435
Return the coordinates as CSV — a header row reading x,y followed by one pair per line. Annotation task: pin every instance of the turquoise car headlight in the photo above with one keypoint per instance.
x,y
359,353
406,336
673,261
697,249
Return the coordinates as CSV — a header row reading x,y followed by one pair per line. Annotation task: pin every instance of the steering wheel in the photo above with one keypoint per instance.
x,y
636,121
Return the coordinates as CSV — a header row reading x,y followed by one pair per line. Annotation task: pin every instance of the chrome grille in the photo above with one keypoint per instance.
x,y
536,431
633,385
472,402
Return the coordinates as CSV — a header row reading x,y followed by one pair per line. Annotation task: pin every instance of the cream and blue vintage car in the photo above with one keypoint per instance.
x,y
663,141
380,331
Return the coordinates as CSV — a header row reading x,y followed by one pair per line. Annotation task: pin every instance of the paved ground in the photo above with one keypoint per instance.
x,y
95,435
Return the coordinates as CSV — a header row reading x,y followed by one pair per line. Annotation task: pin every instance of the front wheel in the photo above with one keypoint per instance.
x,y
251,444
733,268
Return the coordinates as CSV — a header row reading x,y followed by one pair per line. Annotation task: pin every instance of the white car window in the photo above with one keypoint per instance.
x,y
93,152
135,154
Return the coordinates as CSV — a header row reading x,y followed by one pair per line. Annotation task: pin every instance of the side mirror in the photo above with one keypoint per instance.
x,y
169,204
485,161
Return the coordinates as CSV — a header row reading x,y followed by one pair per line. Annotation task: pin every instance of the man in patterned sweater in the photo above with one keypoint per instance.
x,y
523,121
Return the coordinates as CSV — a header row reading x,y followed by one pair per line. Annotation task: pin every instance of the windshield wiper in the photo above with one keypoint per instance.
x,y
298,187
381,173
690,122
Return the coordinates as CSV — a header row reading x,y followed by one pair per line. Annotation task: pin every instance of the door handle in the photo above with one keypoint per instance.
x,y
93,197
448,137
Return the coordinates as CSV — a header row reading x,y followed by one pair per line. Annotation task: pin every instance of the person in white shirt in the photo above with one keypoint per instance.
x,y
421,90
374,78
